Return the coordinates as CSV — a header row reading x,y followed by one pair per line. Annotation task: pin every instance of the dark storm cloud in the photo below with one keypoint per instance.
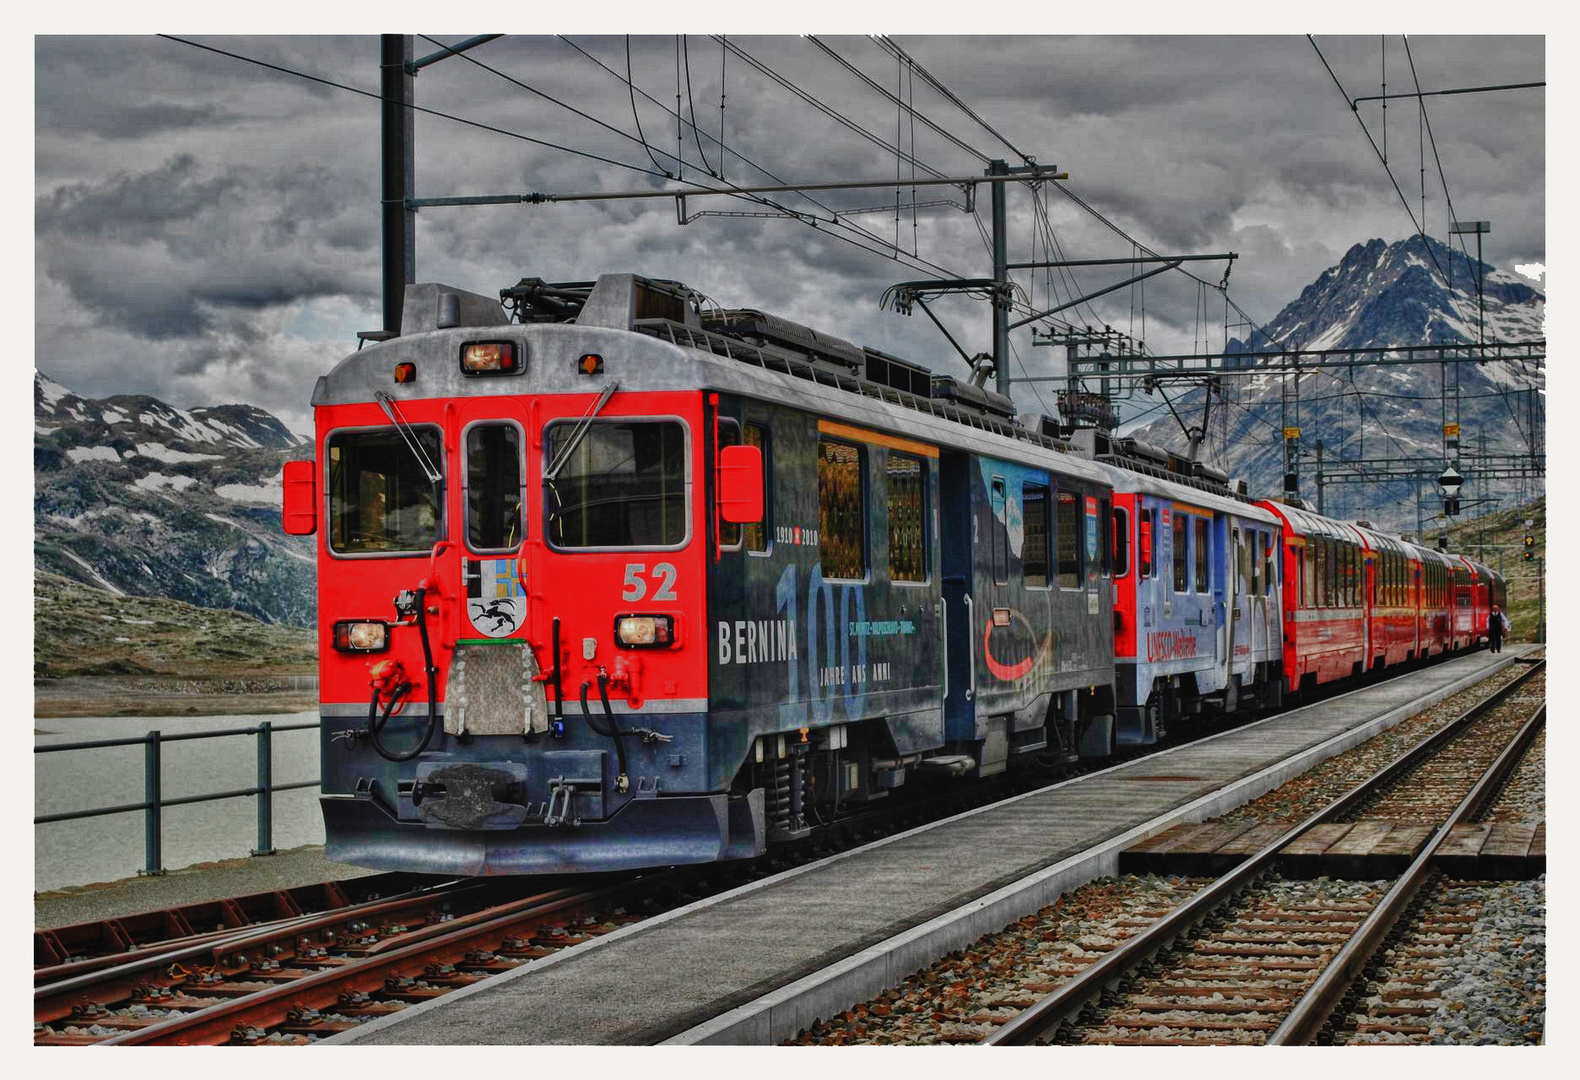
x,y
218,222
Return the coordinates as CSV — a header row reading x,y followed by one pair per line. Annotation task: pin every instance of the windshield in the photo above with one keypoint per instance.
x,y
380,500
623,485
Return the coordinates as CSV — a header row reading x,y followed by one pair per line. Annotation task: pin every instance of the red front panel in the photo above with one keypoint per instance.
x,y
585,589
1125,584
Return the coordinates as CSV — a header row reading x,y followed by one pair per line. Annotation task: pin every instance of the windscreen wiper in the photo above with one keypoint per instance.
x,y
580,432
387,403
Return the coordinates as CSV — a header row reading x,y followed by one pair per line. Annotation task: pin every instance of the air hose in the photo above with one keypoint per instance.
x,y
376,721
623,780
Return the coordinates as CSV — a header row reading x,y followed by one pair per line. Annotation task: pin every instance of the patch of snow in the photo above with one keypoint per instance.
x,y
40,429
161,452
1534,271
156,482
94,573
136,622
52,391
122,640
251,493
113,416
79,454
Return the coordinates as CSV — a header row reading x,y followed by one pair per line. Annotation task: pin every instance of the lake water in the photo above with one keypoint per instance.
x,y
107,848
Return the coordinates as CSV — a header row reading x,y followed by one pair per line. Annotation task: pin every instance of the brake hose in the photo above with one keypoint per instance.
x,y
621,781
376,722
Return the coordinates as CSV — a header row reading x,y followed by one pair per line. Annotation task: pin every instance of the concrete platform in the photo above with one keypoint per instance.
x,y
753,965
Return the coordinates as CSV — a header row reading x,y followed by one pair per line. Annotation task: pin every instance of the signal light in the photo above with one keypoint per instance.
x,y
1530,545
405,373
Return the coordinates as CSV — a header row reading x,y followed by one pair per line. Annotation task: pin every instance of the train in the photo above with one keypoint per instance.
x,y
611,577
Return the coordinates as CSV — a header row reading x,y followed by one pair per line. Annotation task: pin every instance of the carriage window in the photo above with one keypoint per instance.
x,y
841,510
1034,512
907,478
1308,582
622,485
1105,523
755,532
1000,529
1267,563
1254,557
1203,551
1242,560
1181,552
1322,570
380,499
494,492
1121,541
1067,534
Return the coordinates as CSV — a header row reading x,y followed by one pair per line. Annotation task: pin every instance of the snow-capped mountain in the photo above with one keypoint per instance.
x,y
144,499
1379,295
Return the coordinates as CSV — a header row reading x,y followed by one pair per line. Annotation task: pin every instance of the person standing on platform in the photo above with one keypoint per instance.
x,y
1497,626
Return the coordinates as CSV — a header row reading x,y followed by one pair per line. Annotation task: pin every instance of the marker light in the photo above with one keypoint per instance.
x,y
644,631
405,373
370,636
489,358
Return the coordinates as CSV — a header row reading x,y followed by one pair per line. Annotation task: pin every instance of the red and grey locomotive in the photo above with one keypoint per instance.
x,y
615,578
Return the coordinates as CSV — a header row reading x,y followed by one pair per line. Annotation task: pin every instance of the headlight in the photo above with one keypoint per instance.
x,y
371,636
489,358
644,631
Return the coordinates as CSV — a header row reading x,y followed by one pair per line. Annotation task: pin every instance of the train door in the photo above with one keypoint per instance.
x,y
956,538
493,560
1240,601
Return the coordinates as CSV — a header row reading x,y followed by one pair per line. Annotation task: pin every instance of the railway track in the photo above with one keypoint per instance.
x,y
1255,958
304,976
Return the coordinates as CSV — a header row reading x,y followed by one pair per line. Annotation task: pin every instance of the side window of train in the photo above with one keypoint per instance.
x,y
1321,544
1121,541
1067,534
1267,553
907,497
1254,557
494,487
1242,559
1203,560
841,509
729,531
1034,515
754,534
1105,523
1308,583
999,505
1181,532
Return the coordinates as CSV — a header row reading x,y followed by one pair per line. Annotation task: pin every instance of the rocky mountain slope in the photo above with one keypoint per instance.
x,y
140,499
1380,294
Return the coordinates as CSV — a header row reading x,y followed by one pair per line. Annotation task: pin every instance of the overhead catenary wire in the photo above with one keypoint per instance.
x,y
415,108
833,221
651,149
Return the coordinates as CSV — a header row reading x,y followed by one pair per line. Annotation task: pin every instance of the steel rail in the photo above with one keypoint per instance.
x,y
127,966
268,1008
1043,1019
1311,1014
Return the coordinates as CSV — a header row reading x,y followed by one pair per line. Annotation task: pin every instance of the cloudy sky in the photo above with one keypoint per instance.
x,y
207,230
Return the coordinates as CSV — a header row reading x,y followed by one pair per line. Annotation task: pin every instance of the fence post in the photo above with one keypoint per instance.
x,y
265,738
153,812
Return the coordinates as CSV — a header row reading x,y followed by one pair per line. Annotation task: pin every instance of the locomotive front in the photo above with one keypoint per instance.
x,y
513,520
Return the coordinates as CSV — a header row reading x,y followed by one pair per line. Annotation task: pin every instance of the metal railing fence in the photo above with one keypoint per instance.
x,y
153,803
